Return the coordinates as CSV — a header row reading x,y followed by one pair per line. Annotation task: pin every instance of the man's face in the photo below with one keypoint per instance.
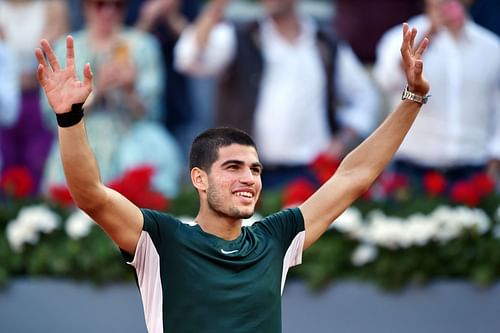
x,y
449,13
278,7
105,13
234,182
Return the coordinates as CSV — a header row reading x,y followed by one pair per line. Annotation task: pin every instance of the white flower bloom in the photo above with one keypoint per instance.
x,y
251,220
420,229
29,222
349,221
78,224
497,215
187,220
18,234
363,254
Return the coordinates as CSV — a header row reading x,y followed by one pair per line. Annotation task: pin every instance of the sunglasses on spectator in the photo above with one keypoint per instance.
x,y
100,4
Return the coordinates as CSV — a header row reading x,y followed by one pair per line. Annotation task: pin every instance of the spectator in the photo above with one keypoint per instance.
x,y
123,116
27,142
459,132
354,16
166,19
290,83
9,89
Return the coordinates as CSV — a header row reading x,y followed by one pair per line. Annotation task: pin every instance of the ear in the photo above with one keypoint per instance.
x,y
199,178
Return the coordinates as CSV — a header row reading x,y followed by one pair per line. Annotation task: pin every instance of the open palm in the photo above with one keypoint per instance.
x,y
412,61
61,85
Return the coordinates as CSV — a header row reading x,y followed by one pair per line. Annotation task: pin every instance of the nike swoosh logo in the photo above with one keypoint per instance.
x,y
228,252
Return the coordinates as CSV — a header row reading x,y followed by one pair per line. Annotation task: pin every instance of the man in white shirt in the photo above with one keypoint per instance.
x,y
459,132
9,89
283,79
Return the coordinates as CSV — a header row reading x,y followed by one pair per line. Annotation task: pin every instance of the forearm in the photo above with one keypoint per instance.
x,y
370,158
80,167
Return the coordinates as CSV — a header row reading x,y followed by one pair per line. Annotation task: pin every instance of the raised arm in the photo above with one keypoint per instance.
x,y
363,165
121,219
206,46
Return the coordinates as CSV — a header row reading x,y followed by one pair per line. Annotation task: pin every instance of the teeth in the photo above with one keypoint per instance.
x,y
244,194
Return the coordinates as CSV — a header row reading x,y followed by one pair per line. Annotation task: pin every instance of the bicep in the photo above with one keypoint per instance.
x,y
326,204
119,218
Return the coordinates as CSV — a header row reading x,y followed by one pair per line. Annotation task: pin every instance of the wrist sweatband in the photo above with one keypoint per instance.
x,y
72,117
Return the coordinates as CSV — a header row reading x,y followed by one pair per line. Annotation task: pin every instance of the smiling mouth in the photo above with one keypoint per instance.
x,y
244,194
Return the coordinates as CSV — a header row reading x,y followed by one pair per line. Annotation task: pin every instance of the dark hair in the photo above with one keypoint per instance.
x,y
205,147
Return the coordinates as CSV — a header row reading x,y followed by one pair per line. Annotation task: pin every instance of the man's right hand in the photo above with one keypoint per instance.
x,y
61,85
212,15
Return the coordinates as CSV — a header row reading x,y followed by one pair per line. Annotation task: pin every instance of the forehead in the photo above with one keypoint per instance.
x,y
244,153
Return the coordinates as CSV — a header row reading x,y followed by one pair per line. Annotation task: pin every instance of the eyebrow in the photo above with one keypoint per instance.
x,y
239,162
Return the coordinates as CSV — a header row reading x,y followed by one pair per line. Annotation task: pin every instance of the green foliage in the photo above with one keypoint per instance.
x,y
94,257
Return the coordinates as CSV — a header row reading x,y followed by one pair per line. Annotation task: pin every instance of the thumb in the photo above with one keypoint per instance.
x,y
87,76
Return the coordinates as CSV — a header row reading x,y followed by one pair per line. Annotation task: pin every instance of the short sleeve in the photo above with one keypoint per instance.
x,y
283,226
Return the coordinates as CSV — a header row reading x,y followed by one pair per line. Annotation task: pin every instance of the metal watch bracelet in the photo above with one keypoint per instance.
x,y
414,97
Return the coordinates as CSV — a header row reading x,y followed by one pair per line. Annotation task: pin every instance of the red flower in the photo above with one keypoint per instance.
x,y
466,193
324,166
483,184
434,183
135,184
393,182
61,195
17,182
297,192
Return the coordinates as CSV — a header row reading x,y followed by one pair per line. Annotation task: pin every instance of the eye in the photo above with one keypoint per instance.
x,y
256,171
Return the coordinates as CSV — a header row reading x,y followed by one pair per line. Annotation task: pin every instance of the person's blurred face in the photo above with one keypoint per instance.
x,y
450,13
278,7
105,14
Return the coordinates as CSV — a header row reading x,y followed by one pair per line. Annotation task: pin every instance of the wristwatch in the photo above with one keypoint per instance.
x,y
414,97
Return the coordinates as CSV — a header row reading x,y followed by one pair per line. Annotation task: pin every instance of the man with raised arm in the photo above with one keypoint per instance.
x,y
217,276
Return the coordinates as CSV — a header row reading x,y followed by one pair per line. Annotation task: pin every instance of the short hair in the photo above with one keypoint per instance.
x,y
205,147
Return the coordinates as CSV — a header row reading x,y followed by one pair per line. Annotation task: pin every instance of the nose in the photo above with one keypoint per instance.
x,y
247,177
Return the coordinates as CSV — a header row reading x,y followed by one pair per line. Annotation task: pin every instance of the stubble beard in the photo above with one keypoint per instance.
x,y
216,203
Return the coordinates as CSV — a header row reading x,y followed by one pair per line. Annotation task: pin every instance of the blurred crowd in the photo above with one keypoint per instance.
x,y
308,90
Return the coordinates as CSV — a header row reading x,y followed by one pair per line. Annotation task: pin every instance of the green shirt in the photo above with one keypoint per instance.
x,y
192,281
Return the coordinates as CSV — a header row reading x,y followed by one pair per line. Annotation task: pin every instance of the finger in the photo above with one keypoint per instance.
x,y
40,74
70,53
421,48
50,55
405,28
40,57
412,38
87,76
419,67
405,47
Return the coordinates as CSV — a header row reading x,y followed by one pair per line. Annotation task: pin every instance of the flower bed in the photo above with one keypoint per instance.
x,y
391,239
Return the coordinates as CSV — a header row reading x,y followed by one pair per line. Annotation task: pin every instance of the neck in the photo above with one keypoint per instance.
x,y
102,35
288,25
214,223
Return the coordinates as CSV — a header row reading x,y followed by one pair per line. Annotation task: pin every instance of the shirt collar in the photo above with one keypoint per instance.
x,y
307,32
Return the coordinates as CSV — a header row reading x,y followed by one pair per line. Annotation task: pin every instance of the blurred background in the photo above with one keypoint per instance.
x,y
309,79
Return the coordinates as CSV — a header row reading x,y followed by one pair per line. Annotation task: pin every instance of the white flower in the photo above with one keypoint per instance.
x,y
251,220
29,222
349,221
497,215
187,220
420,229
363,254
78,224
496,231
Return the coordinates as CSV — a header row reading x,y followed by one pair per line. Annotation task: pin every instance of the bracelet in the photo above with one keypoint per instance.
x,y
72,117
414,97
